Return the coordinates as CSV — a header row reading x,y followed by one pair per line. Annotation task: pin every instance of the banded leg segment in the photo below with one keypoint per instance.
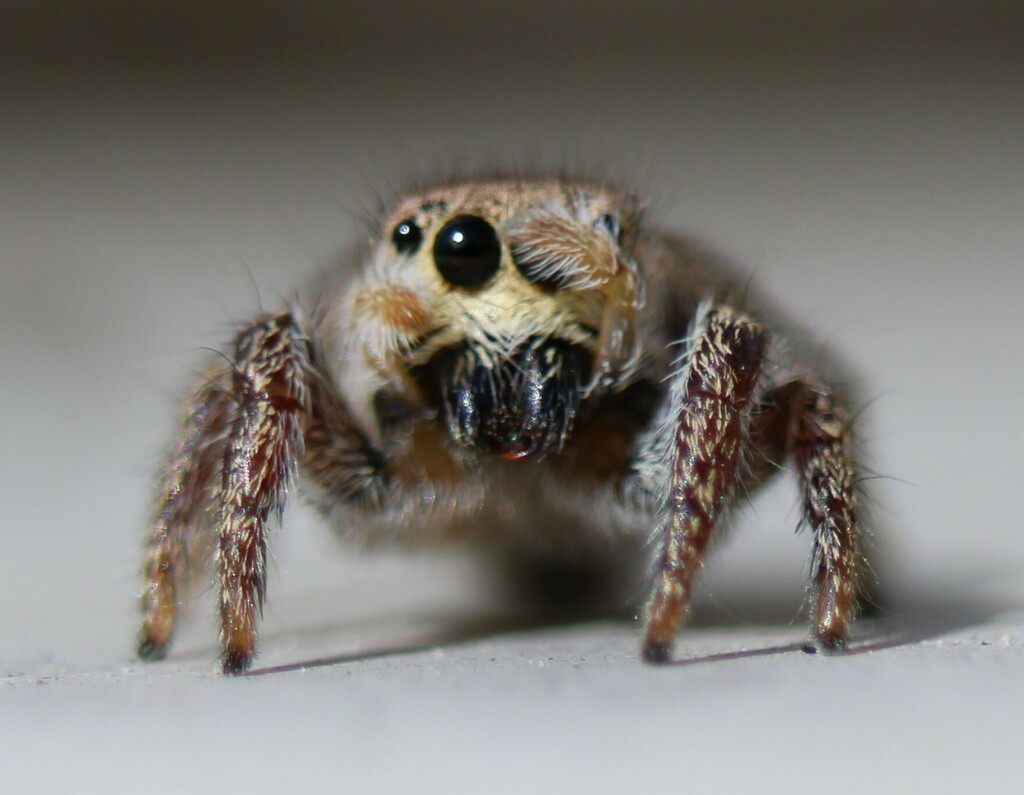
x,y
820,442
339,459
710,400
248,428
804,422
270,387
182,514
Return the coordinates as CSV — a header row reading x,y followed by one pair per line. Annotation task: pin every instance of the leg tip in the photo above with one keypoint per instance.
x,y
236,663
830,644
656,652
151,650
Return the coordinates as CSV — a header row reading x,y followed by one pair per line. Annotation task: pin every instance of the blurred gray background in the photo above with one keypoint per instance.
x,y
167,168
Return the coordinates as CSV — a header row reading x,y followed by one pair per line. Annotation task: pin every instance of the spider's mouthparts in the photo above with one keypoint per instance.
x,y
523,404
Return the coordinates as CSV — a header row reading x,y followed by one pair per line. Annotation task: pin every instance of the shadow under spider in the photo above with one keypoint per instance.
x,y
458,632
901,623
893,624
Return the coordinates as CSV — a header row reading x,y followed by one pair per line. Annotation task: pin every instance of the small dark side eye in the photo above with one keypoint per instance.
x,y
610,224
467,251
407,237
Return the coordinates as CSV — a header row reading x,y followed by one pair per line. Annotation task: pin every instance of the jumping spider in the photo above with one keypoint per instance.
x,y
517,363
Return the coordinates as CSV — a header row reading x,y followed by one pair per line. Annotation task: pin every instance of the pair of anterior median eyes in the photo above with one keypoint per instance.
x,y
467,251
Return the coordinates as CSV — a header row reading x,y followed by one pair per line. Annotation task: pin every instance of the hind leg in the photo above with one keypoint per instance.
x,y
180,531
804,421
819,445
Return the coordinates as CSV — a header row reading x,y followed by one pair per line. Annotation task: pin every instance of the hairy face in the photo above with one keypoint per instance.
x,y
503,303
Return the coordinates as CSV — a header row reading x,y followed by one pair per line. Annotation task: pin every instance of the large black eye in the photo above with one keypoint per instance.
x,y
407,237
467,251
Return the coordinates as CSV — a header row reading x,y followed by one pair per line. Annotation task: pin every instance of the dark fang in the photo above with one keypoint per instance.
x,y
523,405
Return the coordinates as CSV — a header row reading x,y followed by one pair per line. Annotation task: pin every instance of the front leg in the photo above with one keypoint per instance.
x,y
699,440
247,428
270,386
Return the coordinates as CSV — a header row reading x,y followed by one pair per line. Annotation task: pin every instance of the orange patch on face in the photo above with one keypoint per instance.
x,y
397,306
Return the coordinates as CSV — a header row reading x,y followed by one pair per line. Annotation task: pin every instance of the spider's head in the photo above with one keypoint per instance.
x,y
502,304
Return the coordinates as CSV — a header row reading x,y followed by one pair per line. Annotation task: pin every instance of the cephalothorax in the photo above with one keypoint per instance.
x,y
518,363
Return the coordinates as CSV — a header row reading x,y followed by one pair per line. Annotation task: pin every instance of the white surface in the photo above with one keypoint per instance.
x,y
869,168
